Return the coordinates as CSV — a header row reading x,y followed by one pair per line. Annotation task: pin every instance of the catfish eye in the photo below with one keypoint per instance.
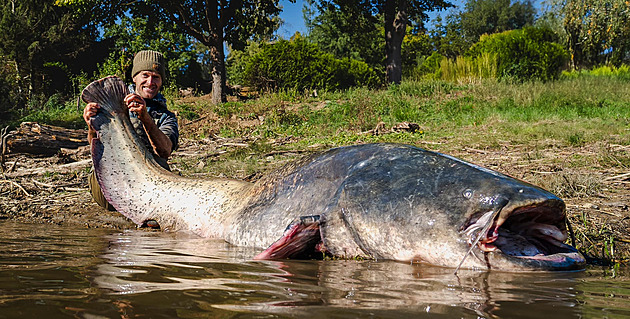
x,y
468,194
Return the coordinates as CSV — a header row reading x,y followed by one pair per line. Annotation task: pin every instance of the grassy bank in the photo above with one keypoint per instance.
x,y
484,115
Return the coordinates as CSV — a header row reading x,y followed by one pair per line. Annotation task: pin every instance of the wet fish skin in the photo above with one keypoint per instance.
x,y
382,201
138,187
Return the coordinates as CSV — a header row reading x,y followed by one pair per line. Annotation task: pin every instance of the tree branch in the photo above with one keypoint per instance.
x,y
228,13
185,22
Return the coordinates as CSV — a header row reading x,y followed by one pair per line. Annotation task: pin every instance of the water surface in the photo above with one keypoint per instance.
x,y
59,272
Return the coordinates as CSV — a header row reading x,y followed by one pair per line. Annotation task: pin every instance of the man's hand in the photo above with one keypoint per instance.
x,y
161,144
90,111
136,104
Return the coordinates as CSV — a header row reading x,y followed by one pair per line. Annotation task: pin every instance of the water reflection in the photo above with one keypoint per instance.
x,y
48,271
141,262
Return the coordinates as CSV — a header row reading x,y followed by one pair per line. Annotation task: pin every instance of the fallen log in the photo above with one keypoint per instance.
x,y
41,139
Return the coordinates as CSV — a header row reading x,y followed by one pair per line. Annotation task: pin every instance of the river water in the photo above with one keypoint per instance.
x,y
50,271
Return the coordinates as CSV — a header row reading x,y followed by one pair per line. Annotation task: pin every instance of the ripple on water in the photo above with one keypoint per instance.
x,y
50,271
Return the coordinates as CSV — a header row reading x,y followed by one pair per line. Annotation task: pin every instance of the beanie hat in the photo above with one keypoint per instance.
x,y
148,60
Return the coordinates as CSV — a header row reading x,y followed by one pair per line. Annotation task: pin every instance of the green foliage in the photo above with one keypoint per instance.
x,y
429,65
492,16
447,36
10,95
622,73
597,31
468,69
41,47
454,35
212,23
300,65
237,61
56,112
131,35
348,33
415,49
530,53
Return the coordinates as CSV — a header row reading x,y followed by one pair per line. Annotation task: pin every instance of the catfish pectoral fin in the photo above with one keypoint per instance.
x,y
300,240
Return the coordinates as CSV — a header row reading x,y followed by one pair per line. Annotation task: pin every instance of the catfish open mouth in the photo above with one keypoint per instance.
x,y
531,235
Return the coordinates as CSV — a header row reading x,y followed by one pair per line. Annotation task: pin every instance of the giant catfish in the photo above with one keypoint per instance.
x,y
380,201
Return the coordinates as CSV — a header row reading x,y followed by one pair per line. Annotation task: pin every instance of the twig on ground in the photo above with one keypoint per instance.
x,y
617,177
16,185
235,144
62,187
58,169
285,152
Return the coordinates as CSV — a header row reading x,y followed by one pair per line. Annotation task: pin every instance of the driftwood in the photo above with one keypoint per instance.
x,y
41,139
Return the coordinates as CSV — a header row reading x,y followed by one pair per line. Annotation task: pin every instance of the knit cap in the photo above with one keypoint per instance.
x,y
148,60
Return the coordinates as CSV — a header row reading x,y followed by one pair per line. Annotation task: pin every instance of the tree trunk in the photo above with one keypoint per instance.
x,y
218,73
395,28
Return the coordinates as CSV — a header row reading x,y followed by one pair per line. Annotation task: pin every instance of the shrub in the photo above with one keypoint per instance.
x,y
427,66
622,72
529,53
300,65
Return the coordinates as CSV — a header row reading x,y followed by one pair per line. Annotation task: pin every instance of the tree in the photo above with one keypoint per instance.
x,y
301,65
347,33
492,16
463,29
211,22
397,15
43,45
182,52
447,36
597,31
523,54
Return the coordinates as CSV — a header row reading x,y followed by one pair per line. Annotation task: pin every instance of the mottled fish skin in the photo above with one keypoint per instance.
x,y
139,188
382,201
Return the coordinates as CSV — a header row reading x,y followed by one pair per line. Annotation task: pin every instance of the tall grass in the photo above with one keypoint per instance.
x,y
469,70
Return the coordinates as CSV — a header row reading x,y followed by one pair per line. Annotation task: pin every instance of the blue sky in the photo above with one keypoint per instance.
x,y
294,20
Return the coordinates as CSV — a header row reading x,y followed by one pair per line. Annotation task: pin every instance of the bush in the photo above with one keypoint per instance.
x,y
300,65
427,66
622,72
529,53
237,61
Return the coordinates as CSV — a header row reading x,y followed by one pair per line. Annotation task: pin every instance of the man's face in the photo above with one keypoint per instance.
x,y
148,84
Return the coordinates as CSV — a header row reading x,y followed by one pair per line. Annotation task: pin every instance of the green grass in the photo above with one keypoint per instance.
x,y
574,111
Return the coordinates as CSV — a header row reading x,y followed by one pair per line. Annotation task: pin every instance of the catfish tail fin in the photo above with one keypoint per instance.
x,y
109,93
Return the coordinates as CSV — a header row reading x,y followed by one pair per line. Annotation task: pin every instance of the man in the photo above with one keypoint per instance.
x,y
154,123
